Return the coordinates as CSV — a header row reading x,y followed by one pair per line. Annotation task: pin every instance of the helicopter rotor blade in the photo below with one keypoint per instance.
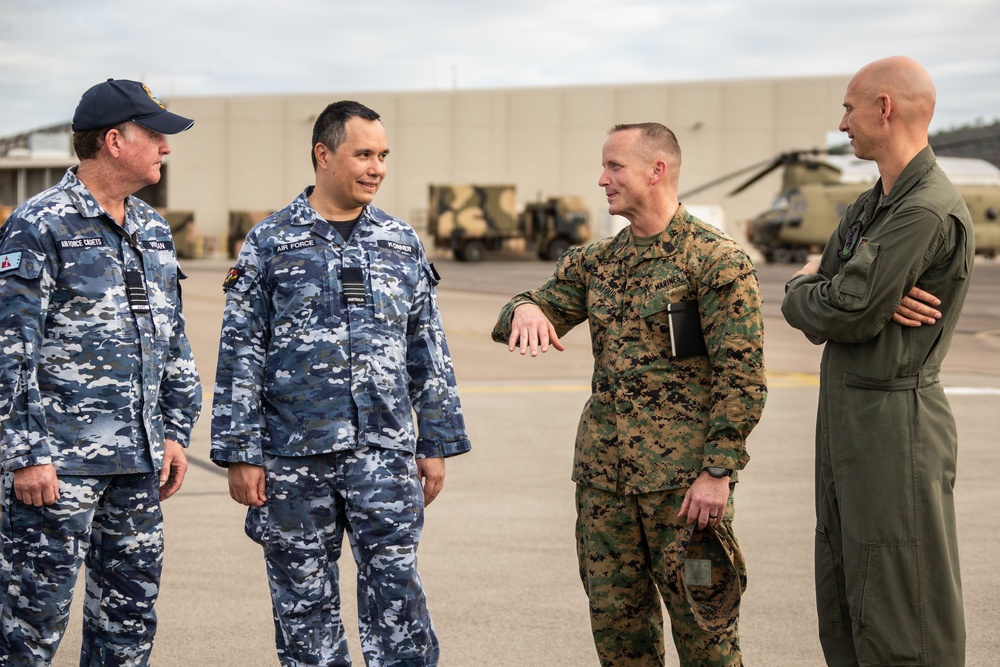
x,y
782,160
723,179
775,163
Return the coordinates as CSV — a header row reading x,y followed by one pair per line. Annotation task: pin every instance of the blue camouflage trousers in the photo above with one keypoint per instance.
x,y
111,523
375,496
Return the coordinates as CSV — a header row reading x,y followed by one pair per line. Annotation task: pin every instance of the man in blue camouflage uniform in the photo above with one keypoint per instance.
x,y
331,342
98,390
665,429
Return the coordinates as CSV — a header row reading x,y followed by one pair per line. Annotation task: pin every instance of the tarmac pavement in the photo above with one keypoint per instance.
x,y
498,556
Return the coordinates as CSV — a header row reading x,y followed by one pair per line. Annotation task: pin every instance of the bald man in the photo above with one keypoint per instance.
x,y
888,588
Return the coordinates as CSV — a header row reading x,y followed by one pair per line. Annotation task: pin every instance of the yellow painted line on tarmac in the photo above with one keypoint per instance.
x,y
781,380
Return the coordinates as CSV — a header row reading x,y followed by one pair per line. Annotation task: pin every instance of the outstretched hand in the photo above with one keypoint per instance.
x,y
531,331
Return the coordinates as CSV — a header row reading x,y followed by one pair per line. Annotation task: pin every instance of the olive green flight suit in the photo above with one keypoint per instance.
x,y
888,589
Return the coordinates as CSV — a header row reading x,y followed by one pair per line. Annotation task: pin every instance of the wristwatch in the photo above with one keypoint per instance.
x,y
717,472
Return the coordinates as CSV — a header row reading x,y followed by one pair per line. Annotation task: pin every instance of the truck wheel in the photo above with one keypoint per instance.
x,y
782,256
474,251
556,249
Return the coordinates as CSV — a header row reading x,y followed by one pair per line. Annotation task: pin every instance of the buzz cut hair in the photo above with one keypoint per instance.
x,y
657,139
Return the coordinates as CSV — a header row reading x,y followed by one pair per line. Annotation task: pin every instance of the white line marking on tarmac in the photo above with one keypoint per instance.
x,y
972,391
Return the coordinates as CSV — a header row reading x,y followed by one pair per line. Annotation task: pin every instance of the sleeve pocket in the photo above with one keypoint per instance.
x,y
853,284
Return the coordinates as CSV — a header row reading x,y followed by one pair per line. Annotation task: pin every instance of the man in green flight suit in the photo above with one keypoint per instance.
x,y
888,589
676,326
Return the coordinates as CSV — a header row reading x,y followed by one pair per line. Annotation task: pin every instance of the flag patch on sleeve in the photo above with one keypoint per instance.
x,y
10,261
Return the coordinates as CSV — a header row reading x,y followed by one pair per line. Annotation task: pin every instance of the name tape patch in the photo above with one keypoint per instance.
x,y
156,244
398,247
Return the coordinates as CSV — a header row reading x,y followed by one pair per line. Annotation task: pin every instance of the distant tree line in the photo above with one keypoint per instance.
x,y
980,140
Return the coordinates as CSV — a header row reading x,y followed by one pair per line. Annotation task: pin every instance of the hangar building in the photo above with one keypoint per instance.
x,y
251,153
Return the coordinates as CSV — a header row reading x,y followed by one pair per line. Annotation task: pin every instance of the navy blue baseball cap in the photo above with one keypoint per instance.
x,y
119,100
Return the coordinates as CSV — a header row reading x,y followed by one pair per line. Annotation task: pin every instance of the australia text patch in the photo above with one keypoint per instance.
x,y
353,285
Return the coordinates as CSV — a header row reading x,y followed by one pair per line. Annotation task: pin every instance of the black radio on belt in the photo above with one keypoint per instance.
x,y
136,290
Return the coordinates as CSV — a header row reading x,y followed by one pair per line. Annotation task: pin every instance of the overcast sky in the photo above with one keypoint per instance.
x,y
52,50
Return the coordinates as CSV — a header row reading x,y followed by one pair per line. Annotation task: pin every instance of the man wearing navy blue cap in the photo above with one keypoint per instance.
x,y
98,389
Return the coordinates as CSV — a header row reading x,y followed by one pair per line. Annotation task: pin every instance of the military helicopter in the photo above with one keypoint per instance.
x,y
818,185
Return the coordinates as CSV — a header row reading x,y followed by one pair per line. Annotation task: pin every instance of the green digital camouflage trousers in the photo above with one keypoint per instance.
x,y
635,549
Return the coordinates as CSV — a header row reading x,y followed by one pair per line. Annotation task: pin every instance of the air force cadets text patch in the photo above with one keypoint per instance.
x,y
10,261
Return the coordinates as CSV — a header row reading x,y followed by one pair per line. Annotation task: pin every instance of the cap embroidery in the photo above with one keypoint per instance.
x,y
153,97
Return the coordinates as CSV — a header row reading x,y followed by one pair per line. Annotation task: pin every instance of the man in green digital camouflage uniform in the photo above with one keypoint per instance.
x,y
663,434
888,588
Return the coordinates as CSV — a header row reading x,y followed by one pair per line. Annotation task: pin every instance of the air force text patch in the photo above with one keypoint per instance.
x,y
294,245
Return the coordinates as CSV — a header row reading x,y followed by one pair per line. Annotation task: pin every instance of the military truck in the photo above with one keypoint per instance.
x,y
240,224
182,228
471,220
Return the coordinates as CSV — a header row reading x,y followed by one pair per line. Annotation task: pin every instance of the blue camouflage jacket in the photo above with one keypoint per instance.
x,y
330,345
88,382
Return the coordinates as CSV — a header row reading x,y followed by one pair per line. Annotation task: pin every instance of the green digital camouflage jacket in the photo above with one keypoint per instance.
x,y
653,421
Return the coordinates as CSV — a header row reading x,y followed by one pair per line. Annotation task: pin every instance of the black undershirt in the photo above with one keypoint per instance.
x,y
345,227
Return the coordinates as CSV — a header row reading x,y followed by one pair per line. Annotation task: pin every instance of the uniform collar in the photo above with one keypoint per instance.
x,y
912,173
86,203
304,214
623,247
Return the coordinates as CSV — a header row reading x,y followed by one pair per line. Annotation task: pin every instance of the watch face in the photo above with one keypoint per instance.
x,y
716,471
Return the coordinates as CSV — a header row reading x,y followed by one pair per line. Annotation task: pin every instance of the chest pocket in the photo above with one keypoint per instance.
x,y
89,298
653,314
393,277
301,285
162,280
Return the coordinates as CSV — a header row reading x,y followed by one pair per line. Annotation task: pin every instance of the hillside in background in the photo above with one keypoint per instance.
x,y
979,141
